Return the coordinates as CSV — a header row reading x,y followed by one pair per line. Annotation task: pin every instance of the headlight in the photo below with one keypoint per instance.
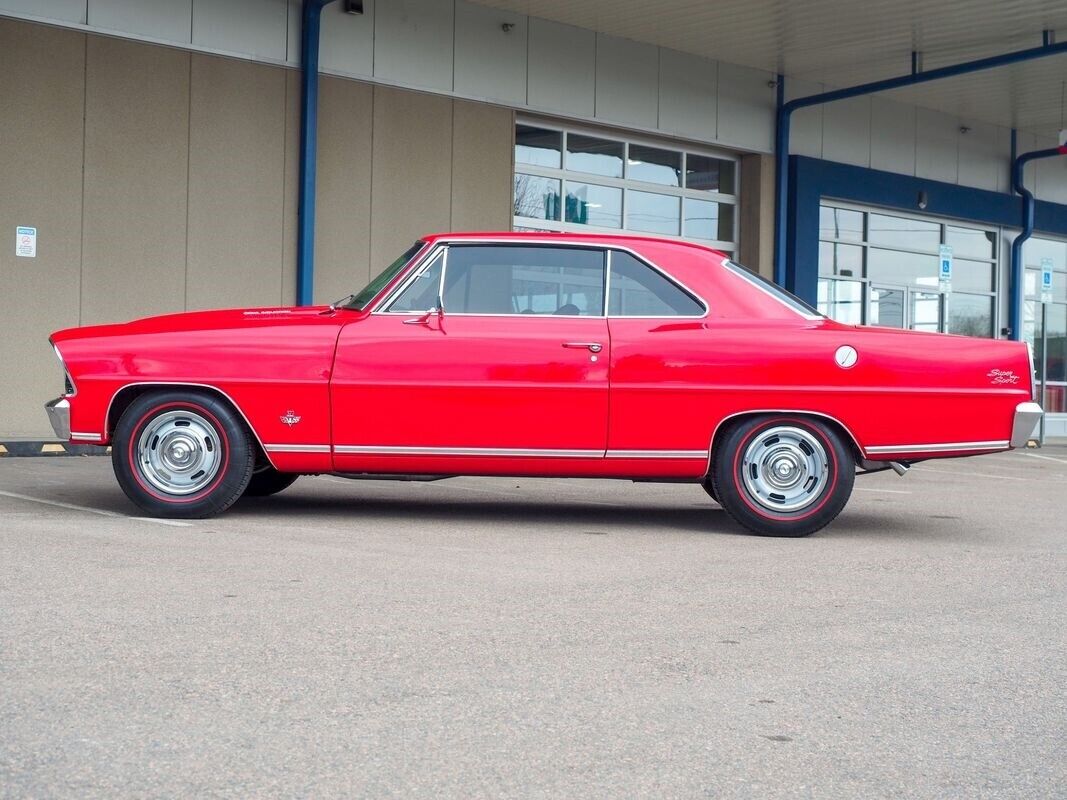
x,y
68,383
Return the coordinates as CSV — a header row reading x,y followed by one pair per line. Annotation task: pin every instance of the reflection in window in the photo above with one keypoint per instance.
x,y
841,259
536,197
652,213
524,280
970,243
706,219
598,156
538,146
893,266
637,290
910,234
887,308
840,223
589,204
841,300
709,174
972,276
925,311
970,315
653,165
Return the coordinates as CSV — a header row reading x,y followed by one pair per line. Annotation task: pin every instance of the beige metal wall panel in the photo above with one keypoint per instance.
x,y
136,166
483,145
688,95
346,41
60,10
981,161
258,28
936,146
413,43
892,136
490,62
805,127
846,131
343,198
42,87
292,181
746,108
627,82
412,180
159,19
236,174
562,68
756,246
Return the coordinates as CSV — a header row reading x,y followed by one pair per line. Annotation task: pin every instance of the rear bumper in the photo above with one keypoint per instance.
x,y
1027,415
59,415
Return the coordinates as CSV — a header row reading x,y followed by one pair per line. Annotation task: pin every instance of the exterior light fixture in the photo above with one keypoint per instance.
x,y
924,200
353,6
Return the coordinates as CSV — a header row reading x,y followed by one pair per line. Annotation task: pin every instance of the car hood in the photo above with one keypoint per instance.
x,y
222,319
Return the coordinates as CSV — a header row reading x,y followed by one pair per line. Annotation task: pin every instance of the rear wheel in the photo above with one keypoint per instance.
x,y
267,480
182,454
782,475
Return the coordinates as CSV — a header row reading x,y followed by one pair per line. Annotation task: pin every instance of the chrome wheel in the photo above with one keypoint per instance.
x,y
179,452
784,469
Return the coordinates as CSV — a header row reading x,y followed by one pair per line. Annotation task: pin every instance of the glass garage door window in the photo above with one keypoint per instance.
x,y
577,180
1045,320
882,267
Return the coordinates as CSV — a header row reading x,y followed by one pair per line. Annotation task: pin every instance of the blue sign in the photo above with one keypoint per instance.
x,y
1046,280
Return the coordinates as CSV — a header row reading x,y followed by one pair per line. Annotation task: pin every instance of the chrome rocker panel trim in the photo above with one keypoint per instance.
x,y
945,447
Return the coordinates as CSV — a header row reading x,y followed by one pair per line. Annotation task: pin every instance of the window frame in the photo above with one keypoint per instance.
x,y
383,307
564,175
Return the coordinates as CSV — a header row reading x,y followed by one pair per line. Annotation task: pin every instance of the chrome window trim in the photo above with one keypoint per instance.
x,y
945,447
423,260
548,241
766,291
107,413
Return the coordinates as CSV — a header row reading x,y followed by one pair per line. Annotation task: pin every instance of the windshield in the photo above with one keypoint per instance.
x,y
780,294
360,300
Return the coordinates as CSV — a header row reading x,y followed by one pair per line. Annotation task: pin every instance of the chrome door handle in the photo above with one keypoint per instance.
x,y
592,347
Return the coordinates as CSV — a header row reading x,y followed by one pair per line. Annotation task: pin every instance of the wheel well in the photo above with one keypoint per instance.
x,y
830,422
125,397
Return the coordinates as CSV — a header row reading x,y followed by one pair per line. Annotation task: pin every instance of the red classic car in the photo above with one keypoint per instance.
x,y
538,355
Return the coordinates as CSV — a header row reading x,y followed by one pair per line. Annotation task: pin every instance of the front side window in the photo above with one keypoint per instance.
x,y
637,290
509,279
422,293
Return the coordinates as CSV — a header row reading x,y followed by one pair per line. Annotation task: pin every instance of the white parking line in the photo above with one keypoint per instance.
x,y
1046,458
98,511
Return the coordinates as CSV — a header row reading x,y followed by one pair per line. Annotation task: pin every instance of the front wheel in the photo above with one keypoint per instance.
x,y
182,454
782,475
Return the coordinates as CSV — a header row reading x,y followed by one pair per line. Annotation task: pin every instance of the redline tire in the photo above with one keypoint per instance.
x,y
782,475
185,455
267,481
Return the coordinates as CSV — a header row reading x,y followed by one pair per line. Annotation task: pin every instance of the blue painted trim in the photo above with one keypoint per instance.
x,y
785,110
309,127
812,179
1015,265
781,145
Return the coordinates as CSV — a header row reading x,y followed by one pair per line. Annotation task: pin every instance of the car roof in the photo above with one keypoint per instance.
x,y
563,237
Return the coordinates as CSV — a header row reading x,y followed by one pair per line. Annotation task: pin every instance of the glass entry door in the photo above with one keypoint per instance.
x,y
905,307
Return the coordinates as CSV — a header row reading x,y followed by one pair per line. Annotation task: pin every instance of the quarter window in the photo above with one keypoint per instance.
x,y
491,279
422,293
637,290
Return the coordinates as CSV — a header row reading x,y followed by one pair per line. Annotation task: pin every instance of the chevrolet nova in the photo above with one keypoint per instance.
x,y
538,355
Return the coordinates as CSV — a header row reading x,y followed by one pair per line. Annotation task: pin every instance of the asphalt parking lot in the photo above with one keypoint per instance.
x,y
531,638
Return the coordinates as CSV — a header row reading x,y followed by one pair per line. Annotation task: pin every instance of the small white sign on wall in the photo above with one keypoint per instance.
x,y
944,272
25,242
1046,280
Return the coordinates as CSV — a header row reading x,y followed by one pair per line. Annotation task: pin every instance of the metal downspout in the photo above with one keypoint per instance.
x,y
1016,266
785,110
309,126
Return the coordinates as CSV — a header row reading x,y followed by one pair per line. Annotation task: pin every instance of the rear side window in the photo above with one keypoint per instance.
x,y
504,279
637,290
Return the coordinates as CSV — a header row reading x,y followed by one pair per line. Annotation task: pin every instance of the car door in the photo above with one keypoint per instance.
x,y
492,352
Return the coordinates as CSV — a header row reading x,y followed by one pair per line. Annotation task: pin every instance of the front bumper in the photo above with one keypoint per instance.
x,y
1027,415
59,415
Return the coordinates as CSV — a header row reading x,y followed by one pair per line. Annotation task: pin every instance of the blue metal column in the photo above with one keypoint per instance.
x,y
1016,268
309,127
785,110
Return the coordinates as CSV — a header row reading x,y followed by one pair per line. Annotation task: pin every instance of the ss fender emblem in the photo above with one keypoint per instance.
x,y
289,418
